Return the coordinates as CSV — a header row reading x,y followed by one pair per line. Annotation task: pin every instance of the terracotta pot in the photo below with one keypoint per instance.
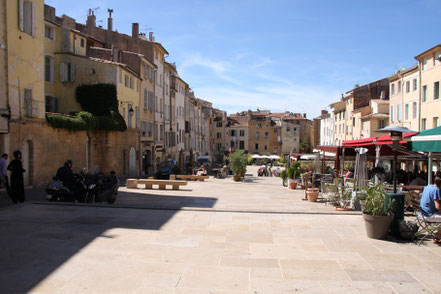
x,y
312,194
236,177
302,186
377,227
242,174
293,185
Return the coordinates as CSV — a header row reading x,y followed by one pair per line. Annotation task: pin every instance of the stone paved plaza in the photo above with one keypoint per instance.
x,y
210,237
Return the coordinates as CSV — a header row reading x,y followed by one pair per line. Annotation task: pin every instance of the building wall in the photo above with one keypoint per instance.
x,y
276,138
290,137
3,78
26,62
409,100
263,142
50,148
326,131
349,117
431,73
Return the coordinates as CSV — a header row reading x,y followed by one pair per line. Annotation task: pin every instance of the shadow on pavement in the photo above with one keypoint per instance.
x,y
37,239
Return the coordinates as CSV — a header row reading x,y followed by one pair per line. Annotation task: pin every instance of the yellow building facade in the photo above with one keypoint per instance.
x,y
429,64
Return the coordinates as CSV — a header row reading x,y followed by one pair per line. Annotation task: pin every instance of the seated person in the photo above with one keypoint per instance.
x,y
202,171
418,181
349,174
431,200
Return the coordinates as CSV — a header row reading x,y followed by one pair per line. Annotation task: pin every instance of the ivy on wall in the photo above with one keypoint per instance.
x,y
100,105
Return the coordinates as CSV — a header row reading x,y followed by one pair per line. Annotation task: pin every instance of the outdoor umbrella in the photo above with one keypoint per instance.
x,y
274,157
256,156
426,141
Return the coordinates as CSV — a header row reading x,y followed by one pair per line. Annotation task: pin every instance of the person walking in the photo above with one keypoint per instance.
x,y
4,174
17,184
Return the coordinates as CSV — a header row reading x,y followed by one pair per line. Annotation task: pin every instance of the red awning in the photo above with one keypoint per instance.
x,y
381,140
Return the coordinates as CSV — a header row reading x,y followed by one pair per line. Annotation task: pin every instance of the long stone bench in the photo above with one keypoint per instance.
x,y
162,184
189,177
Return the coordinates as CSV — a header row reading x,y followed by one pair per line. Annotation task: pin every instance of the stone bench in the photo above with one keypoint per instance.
x,y
189,177
162,184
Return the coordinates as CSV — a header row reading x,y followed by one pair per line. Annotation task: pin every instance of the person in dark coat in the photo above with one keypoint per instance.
x,y
65,175
17,184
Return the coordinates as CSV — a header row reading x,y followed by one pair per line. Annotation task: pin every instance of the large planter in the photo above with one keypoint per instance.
x,y
242,174
236,177
377,227
312,194
292,184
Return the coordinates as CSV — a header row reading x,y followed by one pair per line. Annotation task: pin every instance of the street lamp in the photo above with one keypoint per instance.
x,y
396,135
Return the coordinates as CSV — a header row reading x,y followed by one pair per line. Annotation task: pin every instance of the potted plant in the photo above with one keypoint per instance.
x,y
293,173
284,176
312,194
377,212
237,163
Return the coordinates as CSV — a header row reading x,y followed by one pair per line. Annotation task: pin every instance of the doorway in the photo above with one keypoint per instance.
x,y
132,162
28,158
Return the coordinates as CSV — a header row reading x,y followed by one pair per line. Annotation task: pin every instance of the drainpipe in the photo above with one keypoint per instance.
x,y
419,96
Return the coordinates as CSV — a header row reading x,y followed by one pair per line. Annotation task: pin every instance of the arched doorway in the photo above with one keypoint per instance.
x,y
146,161
28,162
132,162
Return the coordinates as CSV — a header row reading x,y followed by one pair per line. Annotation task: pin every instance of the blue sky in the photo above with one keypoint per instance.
x,y
295,55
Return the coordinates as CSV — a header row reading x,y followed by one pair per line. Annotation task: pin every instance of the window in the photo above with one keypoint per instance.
x,y
436,90
392,117
424,93
415,84
399,87
51,104
49,69
256,146
435,122
406,112
27,17
67,72
381,123
393,89
137,117
242,133
82,42
151,101
276,130
436,58
145,98
407,86
259,125
233,133
49,32
146,70
219,135
219,146
126,80
414,110
257,135
266,148
399,112
219,124
131,82
266,135
423,124
242,145
424,63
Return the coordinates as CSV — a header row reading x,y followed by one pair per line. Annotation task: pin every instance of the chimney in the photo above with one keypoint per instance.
x,y
304,115
110,20
91,20
135,30
151,36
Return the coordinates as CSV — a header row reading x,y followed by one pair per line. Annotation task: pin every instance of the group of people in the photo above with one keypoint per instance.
x,y
16,189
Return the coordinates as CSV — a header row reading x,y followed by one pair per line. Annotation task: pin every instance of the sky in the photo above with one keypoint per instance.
x,y
281,55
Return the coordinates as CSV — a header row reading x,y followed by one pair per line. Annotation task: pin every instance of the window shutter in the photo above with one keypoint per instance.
x,y
20,15
52,70
34,19
62,72
72,71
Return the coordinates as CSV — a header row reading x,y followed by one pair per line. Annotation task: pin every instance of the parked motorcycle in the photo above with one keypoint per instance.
x,y
101,188
90,188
